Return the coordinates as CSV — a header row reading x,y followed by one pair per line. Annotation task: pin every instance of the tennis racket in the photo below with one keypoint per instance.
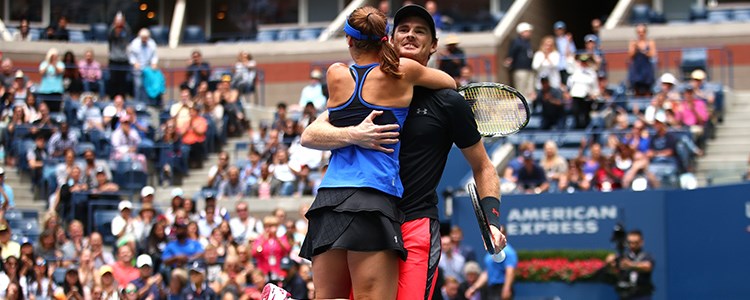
x,y
484,227
499,110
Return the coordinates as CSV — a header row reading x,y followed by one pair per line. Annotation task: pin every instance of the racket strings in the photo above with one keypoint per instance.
x,y
497,111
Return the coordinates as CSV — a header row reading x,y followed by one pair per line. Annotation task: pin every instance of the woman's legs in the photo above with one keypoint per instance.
x,y
374,275
332,280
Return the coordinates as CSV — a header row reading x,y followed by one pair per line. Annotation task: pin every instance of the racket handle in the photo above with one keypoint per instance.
x,y
499,257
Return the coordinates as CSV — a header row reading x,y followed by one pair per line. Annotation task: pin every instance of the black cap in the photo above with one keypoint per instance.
x,y
416,11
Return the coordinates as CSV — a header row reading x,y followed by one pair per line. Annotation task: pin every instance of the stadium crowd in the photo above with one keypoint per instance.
x,y
84,126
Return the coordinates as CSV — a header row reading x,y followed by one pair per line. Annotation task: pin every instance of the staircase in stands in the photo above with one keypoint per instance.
x,y
727,155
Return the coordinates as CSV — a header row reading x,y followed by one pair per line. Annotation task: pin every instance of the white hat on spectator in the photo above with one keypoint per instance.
x,y
668,78
177,192
144,260
698,74
147,191
125,204
523,26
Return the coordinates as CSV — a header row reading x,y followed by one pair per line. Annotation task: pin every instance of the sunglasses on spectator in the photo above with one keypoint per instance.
x,y
130,291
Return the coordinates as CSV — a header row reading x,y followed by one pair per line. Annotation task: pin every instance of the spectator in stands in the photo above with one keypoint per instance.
x,y
118,38
99,256
432,8
218,172
451,260
52,70
669,87
642,53
467,76
91,73
453,58
197,71
148,285
110,289
141,55
91,165
35,158
243,78
175,205
61,141
194,135
47,246
7,73
271,248
180,111
179,252
567,49
144,221
44,124
189,207
498,277
61,201
697,79
657,107
61,31
608,177
89,114
313,91
103,183
197,289
231,187
124,226
125,141
519,59
6,193
662,146
555,167
449,290
510,174
531,176
87,273
123,269
592,49
7,246
49,33
284,178
171,161
39,283
9,274
551,101
229,98
208,221
545,63
457,237
140,125
471,273
244,227
214,111
584,89
114,112
24,31
692,112
72,79
77,240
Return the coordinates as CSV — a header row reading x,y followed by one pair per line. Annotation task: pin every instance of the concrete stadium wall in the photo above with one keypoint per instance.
x,y
699,238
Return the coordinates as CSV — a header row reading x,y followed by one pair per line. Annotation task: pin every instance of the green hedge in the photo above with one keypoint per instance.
x,y
563,253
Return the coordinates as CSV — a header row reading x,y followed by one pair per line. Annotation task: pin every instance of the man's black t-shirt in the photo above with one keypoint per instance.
x,y
437,120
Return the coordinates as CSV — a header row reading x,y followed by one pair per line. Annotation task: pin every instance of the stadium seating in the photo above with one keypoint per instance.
x,y
640,13
193,34
309,34
103,224
98,32
287,34
266,35
76,36
160,34
698,13
693,58
719,16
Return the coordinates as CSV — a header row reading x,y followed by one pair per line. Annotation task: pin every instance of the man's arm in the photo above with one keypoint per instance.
x,y
488,183
510,275
322,135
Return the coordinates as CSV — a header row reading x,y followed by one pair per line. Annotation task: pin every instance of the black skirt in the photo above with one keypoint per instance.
x,y
356,219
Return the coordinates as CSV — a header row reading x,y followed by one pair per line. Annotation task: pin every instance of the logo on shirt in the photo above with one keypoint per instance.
x,y
395,239
421,111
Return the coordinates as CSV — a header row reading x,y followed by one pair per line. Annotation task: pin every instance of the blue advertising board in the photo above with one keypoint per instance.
x,y
700,239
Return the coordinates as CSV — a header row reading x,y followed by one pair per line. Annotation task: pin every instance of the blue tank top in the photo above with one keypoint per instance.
x,y
353,166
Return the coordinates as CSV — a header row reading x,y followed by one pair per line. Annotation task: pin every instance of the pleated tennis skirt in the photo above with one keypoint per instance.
x,y
356,219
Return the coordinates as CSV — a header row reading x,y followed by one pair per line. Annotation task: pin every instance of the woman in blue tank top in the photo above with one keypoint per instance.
x,y
354,237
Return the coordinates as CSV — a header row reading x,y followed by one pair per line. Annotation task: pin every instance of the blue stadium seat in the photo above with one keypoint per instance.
x,y
59,276
287,34
741,15
30,214
698,13
81,147
160,34
193,34
103,224
98,32
719,16
267,35
568,153
656,17
535,122
309,34
54,102
76,36
640,13
35,33
13,214
571,139
693,58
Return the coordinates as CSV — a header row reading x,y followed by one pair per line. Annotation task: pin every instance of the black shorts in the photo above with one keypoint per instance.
x,y
356,219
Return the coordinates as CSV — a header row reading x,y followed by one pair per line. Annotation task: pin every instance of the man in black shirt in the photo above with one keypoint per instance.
x,y
633,270
519,59
437,120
